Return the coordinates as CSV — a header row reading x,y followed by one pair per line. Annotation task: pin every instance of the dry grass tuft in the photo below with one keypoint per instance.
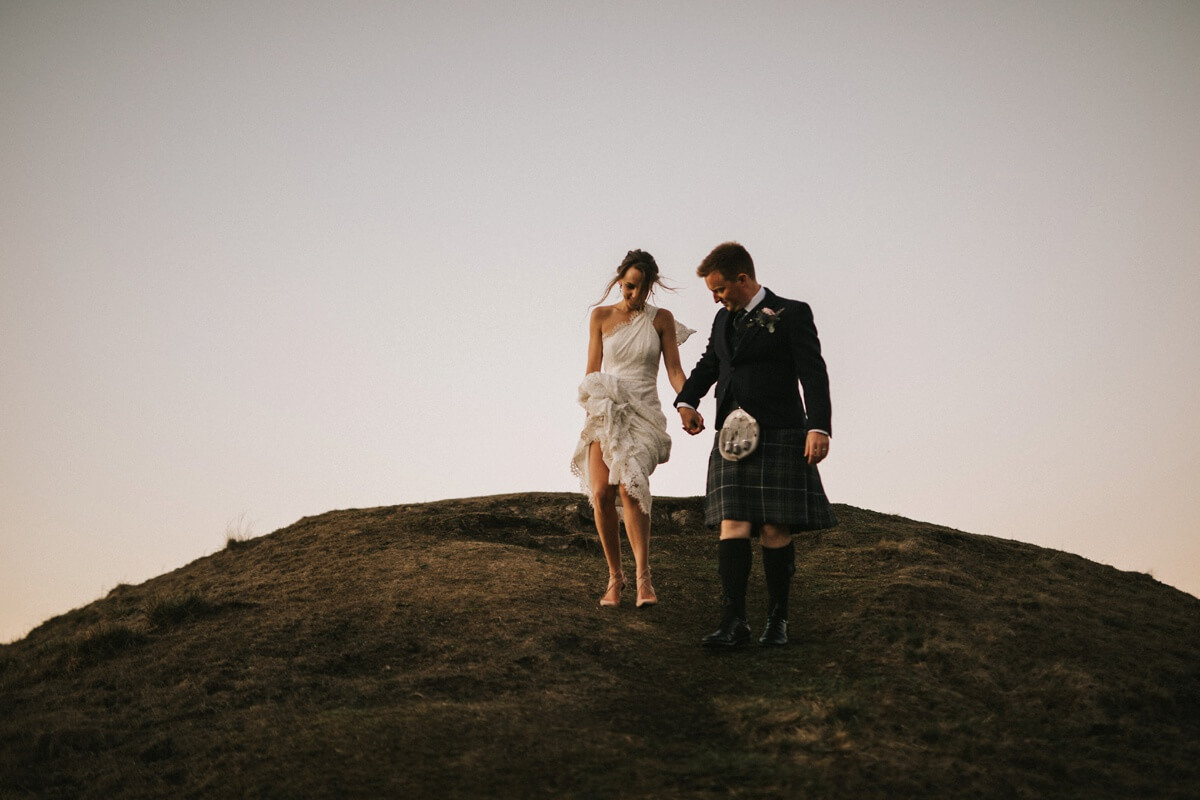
x,y
239,532
101,641
165,610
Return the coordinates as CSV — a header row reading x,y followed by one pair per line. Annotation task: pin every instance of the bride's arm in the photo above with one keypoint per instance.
x,y
595,356
670,349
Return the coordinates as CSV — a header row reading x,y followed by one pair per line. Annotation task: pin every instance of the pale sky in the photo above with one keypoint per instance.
x,y
262,260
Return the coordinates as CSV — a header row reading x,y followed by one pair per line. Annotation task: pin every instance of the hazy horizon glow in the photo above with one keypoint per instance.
x,y
276,259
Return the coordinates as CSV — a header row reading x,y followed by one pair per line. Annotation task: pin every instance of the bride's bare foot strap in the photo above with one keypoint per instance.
x,y
612,594
645,589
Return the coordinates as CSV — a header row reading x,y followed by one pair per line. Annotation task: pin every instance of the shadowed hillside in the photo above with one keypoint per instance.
x,y
455,649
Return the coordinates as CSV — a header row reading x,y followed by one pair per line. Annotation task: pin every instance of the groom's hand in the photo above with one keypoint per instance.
x,y
816,447
693,423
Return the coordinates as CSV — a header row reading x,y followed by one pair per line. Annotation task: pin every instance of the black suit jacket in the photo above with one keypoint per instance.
x,y
760,374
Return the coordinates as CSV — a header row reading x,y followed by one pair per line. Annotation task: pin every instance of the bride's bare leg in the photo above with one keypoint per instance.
x,y
604,509
637,528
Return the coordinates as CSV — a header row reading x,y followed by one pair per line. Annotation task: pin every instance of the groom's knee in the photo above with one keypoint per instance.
x,y
773,536
735,529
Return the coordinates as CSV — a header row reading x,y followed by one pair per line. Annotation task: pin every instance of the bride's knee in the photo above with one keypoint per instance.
x,y
627,499
604,496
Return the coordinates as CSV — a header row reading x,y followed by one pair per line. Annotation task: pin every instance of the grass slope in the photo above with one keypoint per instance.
x,y
455,649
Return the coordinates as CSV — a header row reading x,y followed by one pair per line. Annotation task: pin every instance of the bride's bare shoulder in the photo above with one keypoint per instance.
x,y
603,313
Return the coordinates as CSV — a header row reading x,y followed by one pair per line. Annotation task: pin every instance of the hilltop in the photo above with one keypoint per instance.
x,y
455,649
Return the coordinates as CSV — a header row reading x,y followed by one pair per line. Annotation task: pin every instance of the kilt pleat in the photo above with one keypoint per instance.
x,y
775,484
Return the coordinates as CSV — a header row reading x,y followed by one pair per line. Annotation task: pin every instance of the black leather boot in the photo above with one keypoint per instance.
x,y
733,565
779,565
775,634
733,631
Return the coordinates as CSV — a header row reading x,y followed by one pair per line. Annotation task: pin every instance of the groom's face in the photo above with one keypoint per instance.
x,y
733,294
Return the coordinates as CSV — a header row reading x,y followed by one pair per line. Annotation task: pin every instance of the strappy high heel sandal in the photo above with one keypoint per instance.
x,y
614,582
645,590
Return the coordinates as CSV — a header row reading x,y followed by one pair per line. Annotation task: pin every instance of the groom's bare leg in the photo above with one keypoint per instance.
x,y
774,536
735,529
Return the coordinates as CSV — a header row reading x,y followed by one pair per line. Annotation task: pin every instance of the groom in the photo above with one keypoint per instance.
x,y
760,346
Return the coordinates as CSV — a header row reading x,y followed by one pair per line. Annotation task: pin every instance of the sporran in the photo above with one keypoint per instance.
x,y
739,435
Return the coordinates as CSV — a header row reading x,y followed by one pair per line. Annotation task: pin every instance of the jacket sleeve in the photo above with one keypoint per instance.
x,y
810,367
703,375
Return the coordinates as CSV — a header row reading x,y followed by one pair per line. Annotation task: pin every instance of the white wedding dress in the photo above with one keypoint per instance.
x,y
623,411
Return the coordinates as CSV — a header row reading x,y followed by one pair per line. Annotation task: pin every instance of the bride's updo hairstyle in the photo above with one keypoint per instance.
x,y
644,262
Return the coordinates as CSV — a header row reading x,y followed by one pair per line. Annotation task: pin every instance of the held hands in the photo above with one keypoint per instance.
x,y
816,447
693,423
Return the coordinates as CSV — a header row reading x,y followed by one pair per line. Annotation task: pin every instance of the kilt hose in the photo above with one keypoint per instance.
x,y
775,484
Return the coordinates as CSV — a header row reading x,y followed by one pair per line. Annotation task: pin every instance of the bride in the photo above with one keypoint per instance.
x,y
625,433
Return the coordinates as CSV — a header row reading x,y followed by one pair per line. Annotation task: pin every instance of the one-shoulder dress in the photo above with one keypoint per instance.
x,y
623,410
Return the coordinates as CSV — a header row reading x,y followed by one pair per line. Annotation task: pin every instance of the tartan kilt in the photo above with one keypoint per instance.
x,y
774,485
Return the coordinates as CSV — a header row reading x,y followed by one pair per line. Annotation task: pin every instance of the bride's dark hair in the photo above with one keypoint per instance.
x,y
644,262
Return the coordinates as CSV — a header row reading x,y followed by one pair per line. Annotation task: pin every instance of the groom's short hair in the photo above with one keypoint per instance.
x,y
730,259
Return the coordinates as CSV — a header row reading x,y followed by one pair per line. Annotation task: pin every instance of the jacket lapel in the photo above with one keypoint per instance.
x,y
725,328
752,329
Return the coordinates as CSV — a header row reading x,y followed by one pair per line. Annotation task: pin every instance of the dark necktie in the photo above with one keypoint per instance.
x,y
739,324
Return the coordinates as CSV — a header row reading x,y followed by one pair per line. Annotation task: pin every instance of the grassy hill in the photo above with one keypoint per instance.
x,y
456,649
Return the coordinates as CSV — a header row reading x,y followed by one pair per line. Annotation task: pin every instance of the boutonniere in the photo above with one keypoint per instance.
x,y
766,318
